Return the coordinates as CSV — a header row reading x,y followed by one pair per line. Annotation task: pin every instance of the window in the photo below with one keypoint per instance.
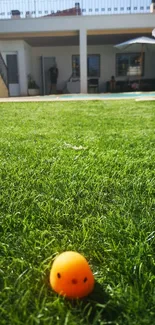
x,y
129,64
93,66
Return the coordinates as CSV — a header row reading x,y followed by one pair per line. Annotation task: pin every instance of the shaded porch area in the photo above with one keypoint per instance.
x,y
86,60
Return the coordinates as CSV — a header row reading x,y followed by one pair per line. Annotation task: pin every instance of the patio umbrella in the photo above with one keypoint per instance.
x,y
143,42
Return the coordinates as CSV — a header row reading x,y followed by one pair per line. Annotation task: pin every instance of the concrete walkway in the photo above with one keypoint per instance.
x,y
138,96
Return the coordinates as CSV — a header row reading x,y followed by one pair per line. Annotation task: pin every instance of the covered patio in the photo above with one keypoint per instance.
x,y
86,61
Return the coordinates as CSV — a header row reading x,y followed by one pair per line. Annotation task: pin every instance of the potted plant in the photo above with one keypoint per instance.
x,y
33,89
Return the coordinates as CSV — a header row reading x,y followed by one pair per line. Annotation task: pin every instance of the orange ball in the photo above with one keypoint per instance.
x,y
71,275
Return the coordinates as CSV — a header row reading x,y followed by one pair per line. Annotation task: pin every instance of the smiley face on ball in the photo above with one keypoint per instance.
x,y
71,275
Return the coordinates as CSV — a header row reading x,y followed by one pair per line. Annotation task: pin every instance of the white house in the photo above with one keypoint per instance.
x,y
80,40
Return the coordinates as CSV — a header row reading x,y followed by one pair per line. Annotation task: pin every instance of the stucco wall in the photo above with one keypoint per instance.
x,y
64,61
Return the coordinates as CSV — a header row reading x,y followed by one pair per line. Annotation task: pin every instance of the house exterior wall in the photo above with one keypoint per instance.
x,y
63,58
29,58
29,62
107,62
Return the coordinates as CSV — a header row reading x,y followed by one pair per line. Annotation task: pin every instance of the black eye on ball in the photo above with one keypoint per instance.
x,y
58,275
85,280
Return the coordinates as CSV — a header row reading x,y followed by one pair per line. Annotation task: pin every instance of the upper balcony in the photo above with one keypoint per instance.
x,y
19,9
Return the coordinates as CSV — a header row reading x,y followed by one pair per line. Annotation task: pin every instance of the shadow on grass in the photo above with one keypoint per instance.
x,y
99,306
96,308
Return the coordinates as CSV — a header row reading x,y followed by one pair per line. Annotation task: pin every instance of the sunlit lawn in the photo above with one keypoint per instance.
x,y
78,176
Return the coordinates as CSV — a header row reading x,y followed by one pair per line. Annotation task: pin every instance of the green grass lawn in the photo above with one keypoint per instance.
x,y
78,176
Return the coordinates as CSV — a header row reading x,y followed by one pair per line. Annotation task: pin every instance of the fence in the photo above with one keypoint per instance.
x,y
39,8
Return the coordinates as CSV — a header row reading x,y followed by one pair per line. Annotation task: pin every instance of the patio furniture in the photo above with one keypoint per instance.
x,y
73,86
127,86
93,85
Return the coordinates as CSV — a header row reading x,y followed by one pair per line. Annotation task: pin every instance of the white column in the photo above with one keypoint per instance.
x,y
83,61
22,66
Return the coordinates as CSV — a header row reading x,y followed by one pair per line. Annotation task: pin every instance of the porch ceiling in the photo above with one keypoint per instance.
x,y
74,40
53,41
112,38
71,38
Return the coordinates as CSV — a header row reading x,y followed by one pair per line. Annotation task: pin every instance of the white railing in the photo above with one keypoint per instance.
x,y
38,8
